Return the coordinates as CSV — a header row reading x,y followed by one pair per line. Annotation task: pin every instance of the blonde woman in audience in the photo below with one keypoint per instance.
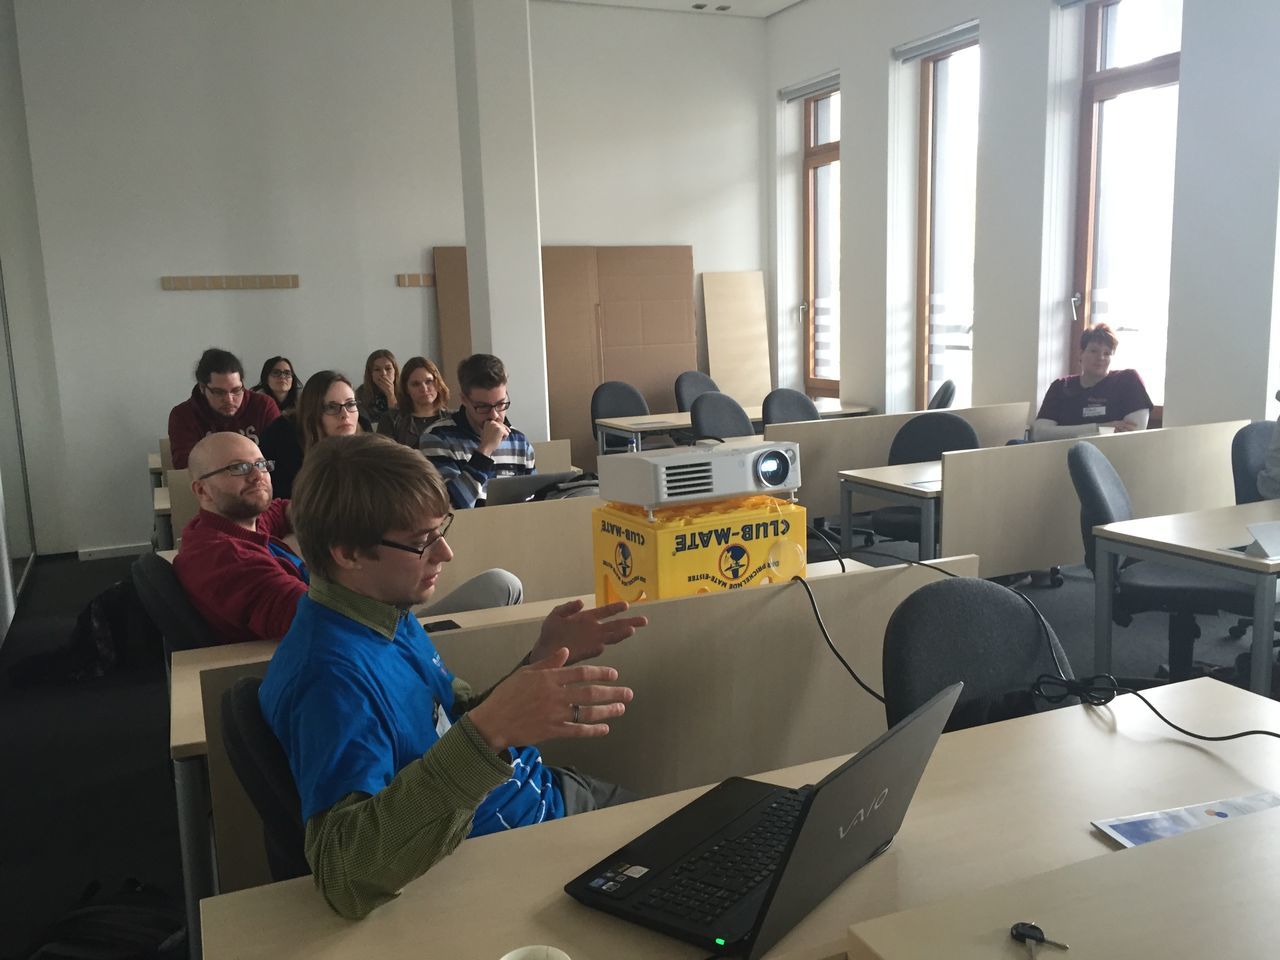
x,y
423,398
280,382
327,408
377,394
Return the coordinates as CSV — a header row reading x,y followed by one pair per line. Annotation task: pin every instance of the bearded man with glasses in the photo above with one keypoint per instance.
x,y
219,402
236,566
478,443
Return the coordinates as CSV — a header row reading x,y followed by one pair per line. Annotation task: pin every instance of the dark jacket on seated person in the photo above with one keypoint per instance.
x,y
245,584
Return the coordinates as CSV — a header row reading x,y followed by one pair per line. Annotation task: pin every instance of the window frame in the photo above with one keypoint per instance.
x,y
1098,85
925,210
815,156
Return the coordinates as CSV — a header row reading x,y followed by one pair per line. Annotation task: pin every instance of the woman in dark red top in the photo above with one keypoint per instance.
x,y
1098,397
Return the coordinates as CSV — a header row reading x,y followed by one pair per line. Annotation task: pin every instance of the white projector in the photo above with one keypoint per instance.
x,y
708,471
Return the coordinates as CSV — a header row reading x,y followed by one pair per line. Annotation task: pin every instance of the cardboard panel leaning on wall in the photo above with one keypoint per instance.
x,y
737,334
646,318
453,308
570,297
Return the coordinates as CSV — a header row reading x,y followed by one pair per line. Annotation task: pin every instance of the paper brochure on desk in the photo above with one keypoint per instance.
x,y
1141,828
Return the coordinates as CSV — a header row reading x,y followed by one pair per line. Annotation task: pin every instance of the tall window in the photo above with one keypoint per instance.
x,y
948,199
1129,124
821,286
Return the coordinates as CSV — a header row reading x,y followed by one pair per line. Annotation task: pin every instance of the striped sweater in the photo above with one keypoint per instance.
x,y
453,446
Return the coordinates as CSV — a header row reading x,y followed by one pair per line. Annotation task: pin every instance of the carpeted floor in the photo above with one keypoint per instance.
x,y
88,790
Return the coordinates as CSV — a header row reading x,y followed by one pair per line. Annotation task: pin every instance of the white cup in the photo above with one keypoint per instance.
x,y
537,952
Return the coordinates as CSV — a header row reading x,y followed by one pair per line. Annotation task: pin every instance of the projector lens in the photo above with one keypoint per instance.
x,y
773,468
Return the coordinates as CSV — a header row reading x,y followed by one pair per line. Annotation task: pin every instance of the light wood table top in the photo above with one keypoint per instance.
x,y
1202,534
153,463
827,407
187,737
913,479
160,501
1203,894
997,804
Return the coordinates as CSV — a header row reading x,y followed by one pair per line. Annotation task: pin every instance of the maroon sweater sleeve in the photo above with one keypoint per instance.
x,y
184,433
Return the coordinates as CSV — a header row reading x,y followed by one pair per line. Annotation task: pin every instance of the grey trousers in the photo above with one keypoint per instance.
x,y
493,588
583,792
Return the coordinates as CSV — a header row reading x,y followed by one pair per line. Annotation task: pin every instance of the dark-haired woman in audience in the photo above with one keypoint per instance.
x,y
377,394
279,380
423,398
1098,397
327,408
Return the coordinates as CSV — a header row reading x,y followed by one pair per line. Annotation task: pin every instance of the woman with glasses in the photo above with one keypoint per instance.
x,y
278,381
423,398
327,407
377,394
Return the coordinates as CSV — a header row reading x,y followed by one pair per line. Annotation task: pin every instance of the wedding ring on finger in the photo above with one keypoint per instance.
x,y
577,713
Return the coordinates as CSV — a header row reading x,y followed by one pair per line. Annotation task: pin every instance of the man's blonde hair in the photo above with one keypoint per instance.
x,y
352,490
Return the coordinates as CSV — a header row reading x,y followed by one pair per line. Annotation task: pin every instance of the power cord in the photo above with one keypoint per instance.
x,y
826,636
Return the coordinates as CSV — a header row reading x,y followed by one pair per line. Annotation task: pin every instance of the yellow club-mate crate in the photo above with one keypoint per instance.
x,y
696,548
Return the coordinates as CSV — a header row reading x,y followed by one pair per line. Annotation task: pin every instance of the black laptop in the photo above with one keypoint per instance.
x,y
744,863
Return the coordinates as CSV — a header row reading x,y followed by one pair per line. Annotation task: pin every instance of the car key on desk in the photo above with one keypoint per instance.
x,y
1032,935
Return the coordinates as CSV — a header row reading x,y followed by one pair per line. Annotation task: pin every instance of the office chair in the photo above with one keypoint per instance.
x,y
920,439
1248,456
167,605
689,386
943,396
1144,586
263,771
616,398
719,415
973,630
785,405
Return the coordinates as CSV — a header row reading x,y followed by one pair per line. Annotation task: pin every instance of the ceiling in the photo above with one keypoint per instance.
x,y
737,8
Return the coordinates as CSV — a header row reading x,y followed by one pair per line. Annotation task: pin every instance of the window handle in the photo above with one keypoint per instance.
x,y
1076,301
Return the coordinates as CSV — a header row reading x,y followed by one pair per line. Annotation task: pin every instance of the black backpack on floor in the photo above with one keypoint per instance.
x,y
137,922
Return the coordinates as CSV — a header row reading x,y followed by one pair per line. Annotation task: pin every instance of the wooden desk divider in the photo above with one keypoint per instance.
x,y
727,683
1016,509
851,443
183,505
552,456
166,454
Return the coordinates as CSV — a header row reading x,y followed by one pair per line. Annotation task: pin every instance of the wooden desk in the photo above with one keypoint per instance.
x,y
916,485
979,817
633,429
1203,894
1198,540
156,469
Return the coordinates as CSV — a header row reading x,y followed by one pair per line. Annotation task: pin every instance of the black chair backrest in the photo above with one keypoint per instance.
x,y
943,396
929,436
263,770
785,405
167,605
719,415
1248,456
616,398
1103,497
973,630
689,386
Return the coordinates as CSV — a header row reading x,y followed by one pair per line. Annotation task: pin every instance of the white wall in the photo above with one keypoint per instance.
x,y
232,137
652,129
1014,260
28,310
1222,348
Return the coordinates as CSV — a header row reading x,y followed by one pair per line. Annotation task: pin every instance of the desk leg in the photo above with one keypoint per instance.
x,y
846,519
601,437
164,531
1264,614
1103,593
191,784
928,517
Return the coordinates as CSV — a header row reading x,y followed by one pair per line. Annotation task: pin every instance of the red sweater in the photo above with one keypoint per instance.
x,y
193,419
242,589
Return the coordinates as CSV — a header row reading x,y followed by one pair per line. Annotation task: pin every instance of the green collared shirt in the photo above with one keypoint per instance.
x,y
364,849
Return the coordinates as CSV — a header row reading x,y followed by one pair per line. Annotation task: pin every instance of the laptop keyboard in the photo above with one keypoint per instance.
x,y
703,887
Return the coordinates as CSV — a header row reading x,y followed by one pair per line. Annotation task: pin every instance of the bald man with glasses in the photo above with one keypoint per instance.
x,y
238,569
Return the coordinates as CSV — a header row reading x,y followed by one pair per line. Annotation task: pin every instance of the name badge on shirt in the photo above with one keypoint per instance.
x,y
1096,410
441,718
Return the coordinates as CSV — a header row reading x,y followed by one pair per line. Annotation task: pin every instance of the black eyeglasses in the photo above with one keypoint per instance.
x,y
434,537
242,468
282,374
484,409
219,394
334,409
